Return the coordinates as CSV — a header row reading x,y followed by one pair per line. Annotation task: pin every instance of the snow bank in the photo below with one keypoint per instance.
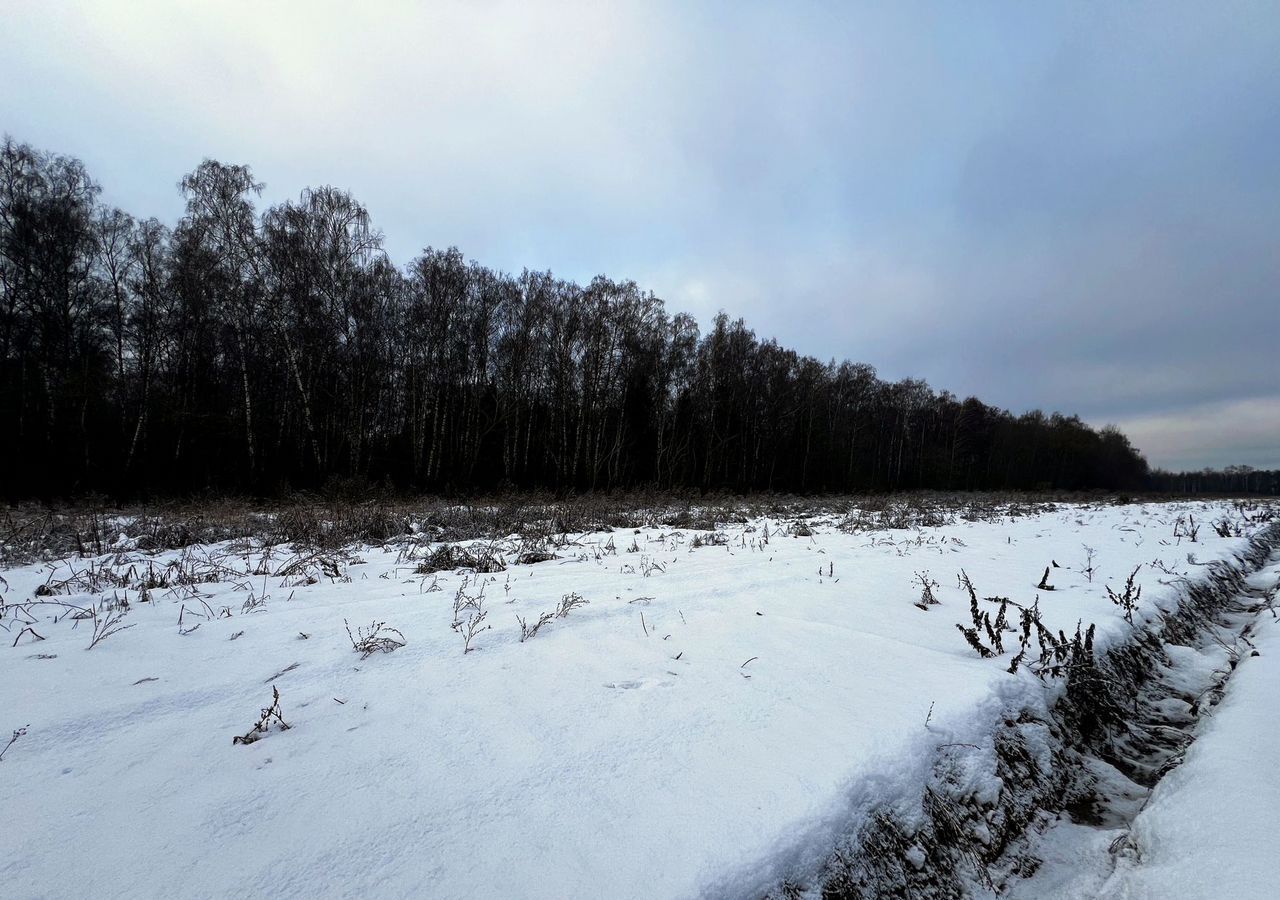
x,y
1209,828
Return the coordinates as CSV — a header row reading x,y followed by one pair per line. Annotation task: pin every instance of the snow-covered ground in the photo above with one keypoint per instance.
x,y
709,721
1209,829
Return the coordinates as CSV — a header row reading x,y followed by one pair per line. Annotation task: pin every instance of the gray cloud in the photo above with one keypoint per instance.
x,y
1070,207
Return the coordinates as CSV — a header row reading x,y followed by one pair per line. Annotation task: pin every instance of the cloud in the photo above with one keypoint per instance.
x,y
1193,438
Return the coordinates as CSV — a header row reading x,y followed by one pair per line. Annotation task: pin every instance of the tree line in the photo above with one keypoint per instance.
x,y
1231,481
248,351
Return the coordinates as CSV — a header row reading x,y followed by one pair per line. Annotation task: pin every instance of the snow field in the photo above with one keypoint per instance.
x,y
770,696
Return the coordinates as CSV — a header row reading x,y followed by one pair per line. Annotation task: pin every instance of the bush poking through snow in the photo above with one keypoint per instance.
x,y
107,622
568,603
270,715
963,581
1226,528
1186,528
971,635
253,604
995,632
462,601
377,638
536,555
1089,568
1058,654
927,587
470,627
449,557
469,615
1128,600
442,559
981,621
527,631
309,568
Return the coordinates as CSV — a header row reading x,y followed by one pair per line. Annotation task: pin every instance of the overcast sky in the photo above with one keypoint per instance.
x,y
1070,206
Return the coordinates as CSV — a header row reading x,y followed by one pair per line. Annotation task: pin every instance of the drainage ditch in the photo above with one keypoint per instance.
x,y
1091,758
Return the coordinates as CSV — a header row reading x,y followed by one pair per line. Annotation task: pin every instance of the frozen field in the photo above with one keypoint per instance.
x,y
703,714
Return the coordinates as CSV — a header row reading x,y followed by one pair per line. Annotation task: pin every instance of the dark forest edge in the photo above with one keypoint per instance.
x,y
259,354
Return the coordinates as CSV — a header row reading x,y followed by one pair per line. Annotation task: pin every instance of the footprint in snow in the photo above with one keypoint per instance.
x,y
643,684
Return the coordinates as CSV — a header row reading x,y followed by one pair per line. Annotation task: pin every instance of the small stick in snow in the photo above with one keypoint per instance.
x,y
1044,584
33,633
286,669
18,732
642,625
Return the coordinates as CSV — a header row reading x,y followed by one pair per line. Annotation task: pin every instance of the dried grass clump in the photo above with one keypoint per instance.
x,y
377,638
710,539
528,631
449,557
568,603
